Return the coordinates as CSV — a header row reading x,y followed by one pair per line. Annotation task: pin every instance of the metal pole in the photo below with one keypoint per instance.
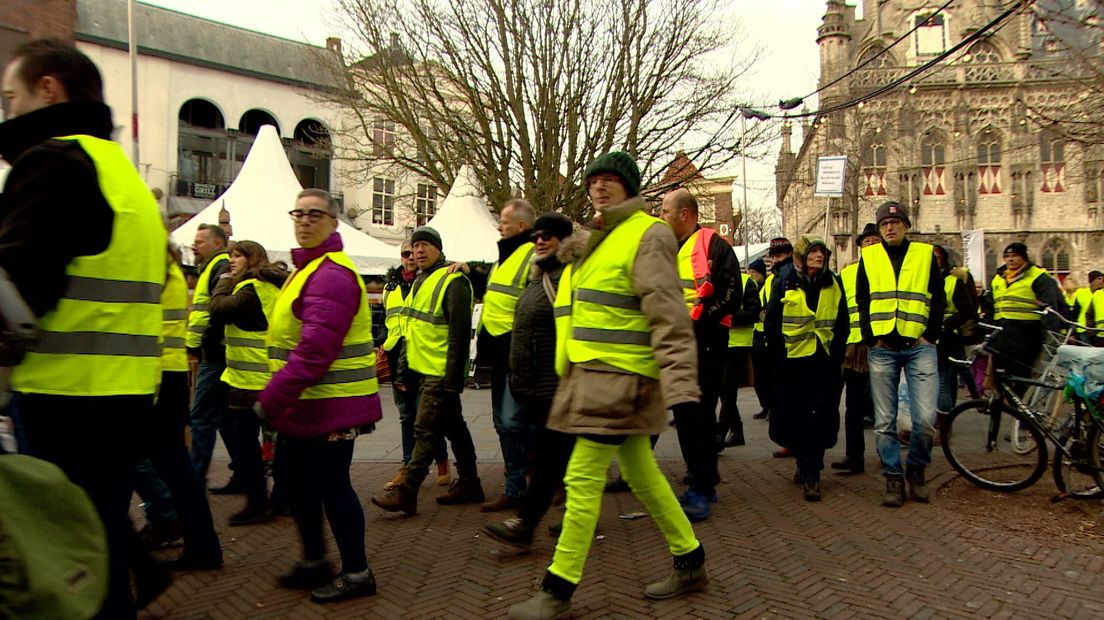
x,y
827,212
133,51
744,210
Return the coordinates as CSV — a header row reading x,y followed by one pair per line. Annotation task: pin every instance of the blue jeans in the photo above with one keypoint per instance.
x,y
515,433
212,398
157,502
920,366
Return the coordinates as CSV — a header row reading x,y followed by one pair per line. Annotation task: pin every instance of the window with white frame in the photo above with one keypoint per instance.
x,y
383,138
383,201
425,203
931,35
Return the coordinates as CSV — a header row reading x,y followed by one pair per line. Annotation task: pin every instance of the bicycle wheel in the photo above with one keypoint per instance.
x,y
1079,474
977,441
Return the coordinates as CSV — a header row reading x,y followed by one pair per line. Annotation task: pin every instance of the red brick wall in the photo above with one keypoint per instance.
x,y
33,19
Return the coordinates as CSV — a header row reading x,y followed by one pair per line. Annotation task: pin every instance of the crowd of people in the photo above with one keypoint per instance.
x,y
593,332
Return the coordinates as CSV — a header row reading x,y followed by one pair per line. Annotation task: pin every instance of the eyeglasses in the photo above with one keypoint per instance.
x,y
543,235
314,215
406,253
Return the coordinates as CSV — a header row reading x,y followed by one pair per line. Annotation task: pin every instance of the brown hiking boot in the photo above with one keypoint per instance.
x,y
397,480
895,492
917,484
462,491
500,503
398,499
444,477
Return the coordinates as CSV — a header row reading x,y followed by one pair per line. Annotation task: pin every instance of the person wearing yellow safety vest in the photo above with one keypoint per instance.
x,y
404,388
807,326
899,291
167,452
1094,314
759,359
207,355
709,273
859,413
504,285
437,326
741,338
623,331
85,394
1079,301
243,300
1019,289
780,257
322,395
961,311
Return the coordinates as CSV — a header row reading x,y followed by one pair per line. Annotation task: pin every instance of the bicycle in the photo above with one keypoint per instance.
x,y
978,440
1043,399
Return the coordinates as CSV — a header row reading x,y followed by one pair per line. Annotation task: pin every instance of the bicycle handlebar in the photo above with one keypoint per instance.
x,y
1045,310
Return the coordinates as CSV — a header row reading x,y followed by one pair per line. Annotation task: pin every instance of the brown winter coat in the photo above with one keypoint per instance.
x,y
596,398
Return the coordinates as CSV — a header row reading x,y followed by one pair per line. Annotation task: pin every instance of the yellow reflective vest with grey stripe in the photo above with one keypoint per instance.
x,y
607,324
848,275
353,373
1017,301
1082,298
393,304
949,281
246,353
174,309
103,338
741,335
199,317
425,325
504,286
899,302
764,297
802,328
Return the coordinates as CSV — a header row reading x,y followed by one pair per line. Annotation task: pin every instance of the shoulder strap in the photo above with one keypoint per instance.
x,y
549,290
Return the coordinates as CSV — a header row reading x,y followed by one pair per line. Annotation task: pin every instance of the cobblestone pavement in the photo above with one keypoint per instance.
x,y
770,554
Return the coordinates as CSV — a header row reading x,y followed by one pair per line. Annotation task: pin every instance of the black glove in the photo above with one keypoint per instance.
x,y
691,408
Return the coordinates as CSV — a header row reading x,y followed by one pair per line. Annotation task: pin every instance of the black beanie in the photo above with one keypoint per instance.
x,y
620,163
892,208
427,234
556,224
1018,249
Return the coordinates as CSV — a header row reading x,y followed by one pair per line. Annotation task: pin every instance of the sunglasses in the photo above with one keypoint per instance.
x,y
406,253
314,215
543,235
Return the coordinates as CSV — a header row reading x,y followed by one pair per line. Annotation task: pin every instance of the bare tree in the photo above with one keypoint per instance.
x,y
529,91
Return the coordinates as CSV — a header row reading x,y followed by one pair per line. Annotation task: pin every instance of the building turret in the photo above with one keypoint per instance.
x,y
834,40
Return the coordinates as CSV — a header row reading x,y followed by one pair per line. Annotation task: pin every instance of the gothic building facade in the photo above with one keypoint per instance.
x,y
970,144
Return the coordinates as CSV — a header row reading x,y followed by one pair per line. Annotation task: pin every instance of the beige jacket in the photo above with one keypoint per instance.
x,y
596,398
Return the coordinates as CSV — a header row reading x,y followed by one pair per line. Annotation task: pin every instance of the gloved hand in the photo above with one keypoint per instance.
x,y
260,411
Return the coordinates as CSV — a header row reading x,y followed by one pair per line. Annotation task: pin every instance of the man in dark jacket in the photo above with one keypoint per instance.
x,y
77,409
533,381
1020,341
962,308
710,274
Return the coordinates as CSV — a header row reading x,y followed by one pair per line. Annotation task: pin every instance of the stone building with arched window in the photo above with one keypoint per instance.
x,y
965,144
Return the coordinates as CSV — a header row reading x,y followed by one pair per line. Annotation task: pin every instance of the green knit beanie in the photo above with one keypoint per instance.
x,y
620,163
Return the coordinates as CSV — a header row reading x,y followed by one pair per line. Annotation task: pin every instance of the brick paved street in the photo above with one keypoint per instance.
x,y
770,554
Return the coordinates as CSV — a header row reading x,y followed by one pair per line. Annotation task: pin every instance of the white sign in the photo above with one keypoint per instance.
x,y
724,230
973,254
830,174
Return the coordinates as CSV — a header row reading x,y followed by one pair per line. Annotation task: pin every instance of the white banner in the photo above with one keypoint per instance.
x,y
973,254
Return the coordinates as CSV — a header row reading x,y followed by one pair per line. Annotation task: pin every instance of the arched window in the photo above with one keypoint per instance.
x,y
877,56
310,153
201,113
982,64
1052,161
989,162
252,121
933,160
983,52
1055,258
874,169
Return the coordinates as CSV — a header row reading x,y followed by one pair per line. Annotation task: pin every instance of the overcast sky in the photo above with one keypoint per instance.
x,y
784,29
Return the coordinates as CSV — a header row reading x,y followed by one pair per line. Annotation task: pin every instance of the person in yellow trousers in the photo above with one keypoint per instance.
x,y
626,352
322,395
243,302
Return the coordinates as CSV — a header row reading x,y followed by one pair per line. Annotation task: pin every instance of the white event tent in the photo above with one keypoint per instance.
x,y
258,202
469,232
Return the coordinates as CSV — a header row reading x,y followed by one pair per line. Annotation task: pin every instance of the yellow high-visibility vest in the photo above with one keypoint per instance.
x,y
764,297
561,311
103,338
393,304
1083,299
199,317
504,286
802,328
246,351
425,325
1016,301
742,335
1098,309
174,320
948,289
849,275
353,373
607,324
899,302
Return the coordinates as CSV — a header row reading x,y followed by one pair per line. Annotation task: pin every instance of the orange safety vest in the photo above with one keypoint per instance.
x,y
700,287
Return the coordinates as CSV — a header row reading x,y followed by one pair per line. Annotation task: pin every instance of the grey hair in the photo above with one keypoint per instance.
x,y
314,192
523,210
217,232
